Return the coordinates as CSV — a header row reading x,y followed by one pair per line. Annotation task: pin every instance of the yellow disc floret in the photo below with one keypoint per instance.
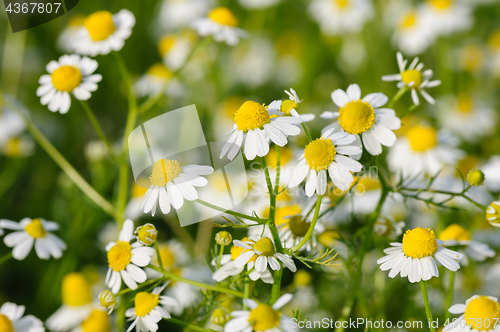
x,y
422,138
166,43
282,212
237,251
223,16
320,153
441,4
167,256
107,299
145,302
454,232
419,242
298,226
76,290
35,229
159,70
480,310
342,3
494,41
147,234
288,105
356,116
251,115
6,324
100,25
223,238
302,278
119,256
264,317
265,246
464,103
493,212
408,20
220,316
66,78
98,321
164,171
412,75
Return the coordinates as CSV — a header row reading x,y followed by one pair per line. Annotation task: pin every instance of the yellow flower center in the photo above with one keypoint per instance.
x,y
422,138
342,3
328,238
167,256
236,251
159,70
100,25
265,246
494,40
164,171
35,229
481,310
107,299
138,191
147,234
220,316
288,105
455,232
272,157
6,324
409,20
365,184
493,211
441,4
119,256
412,75
419,242
223,16
166,43
13,147
302,278
282,212
76,290
298,226
251,115
464,104
98,321
356,116
66,78
320,153
145,302
471,57
264,317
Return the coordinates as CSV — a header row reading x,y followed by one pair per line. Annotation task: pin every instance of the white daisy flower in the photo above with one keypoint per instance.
x,y
29,232
125,260
158,78
414,78
18,147
414,257
70,33
261,317
479,313
11,124
257,4
222,25
171,184
423,150
12,320
266,254
466,117
175,14
133,209
149,310
363,116
253,122
228,267
493,213
386,226
331,153
175,49
490,170
71,74
103,32
412,34
447,16
76,306
456,235
336,17
291,106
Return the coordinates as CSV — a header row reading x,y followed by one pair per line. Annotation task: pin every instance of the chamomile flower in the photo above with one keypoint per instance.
x,y
386,226
11,124
125,260
363,117
423,150
174,49
29,232
331,153
158,78
222,25
12,320
266,254
493,213
228,267
146,234
447,16
133,210
18,147
97,321
456,235
103,32
72,74
295,227
76,306
171,184
414,257
412,34
336,17
261,317
490,170
70,33
253,122
479,313
291,106
149,310
175,14
413,78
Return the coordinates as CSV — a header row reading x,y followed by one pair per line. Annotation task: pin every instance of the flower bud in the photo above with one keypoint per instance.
x,y
223,238
220,316
493,214
475,177
146,234
107,300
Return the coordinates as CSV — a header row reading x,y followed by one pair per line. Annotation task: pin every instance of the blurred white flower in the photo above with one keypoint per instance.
x,y
11,319
445,17
258,4
175,14
491,173
412,33
158,78
175,49
222,25
70,33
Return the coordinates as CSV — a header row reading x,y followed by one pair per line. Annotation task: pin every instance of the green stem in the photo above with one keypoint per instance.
x,y
74,176
140,286
444,192
272,208
187,325
278,170
6,257
221,253
236,214
158,254
306,131
247,291
311,227
397,96
276,290
409,110
449,297
428,311
97,127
